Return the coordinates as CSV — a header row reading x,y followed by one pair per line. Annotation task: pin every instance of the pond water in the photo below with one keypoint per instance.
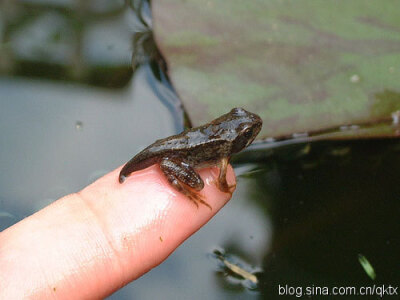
x,y
74,107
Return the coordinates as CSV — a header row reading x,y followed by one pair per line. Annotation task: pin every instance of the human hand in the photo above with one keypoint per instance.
x,y
91,243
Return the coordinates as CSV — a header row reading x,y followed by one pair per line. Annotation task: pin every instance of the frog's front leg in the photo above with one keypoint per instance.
x,y
222,183
183,178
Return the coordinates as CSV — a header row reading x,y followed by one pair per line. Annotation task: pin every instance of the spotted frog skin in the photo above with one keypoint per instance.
x,y
209,145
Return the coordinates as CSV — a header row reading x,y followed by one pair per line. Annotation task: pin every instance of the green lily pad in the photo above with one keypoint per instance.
x,y
311,66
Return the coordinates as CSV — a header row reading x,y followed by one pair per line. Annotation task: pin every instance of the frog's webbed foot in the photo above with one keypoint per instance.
x,y
222,184
184,179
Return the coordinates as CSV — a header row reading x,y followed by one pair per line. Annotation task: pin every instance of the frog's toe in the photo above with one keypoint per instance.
x,y
194,201
197,198
231,188
224,187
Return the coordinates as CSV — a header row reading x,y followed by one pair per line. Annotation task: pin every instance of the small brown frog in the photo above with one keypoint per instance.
x,y
208,145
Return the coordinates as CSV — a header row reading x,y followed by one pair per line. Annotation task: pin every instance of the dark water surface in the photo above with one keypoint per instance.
x,y
74,107
330,204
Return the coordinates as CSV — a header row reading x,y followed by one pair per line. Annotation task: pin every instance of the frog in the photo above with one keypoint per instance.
x,y
180,156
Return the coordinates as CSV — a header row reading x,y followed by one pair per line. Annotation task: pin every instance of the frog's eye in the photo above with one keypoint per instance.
x,y
243,139
248,132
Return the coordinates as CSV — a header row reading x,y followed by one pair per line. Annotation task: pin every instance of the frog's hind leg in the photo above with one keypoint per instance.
x,y
222,184
184,179
192,195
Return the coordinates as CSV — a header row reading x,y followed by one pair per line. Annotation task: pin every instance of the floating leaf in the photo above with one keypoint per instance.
x,y
312,66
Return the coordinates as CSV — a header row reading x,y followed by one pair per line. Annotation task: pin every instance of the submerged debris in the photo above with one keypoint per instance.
x,y
368,268
235,269
240,271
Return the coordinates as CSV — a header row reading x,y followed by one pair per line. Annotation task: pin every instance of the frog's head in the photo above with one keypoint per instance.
x,y
247,126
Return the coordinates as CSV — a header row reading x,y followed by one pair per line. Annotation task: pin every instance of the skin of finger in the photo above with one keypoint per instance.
x,y
91,243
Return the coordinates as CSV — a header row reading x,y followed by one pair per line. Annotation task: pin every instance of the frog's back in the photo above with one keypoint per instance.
x,y
186,140
196,145
209,141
